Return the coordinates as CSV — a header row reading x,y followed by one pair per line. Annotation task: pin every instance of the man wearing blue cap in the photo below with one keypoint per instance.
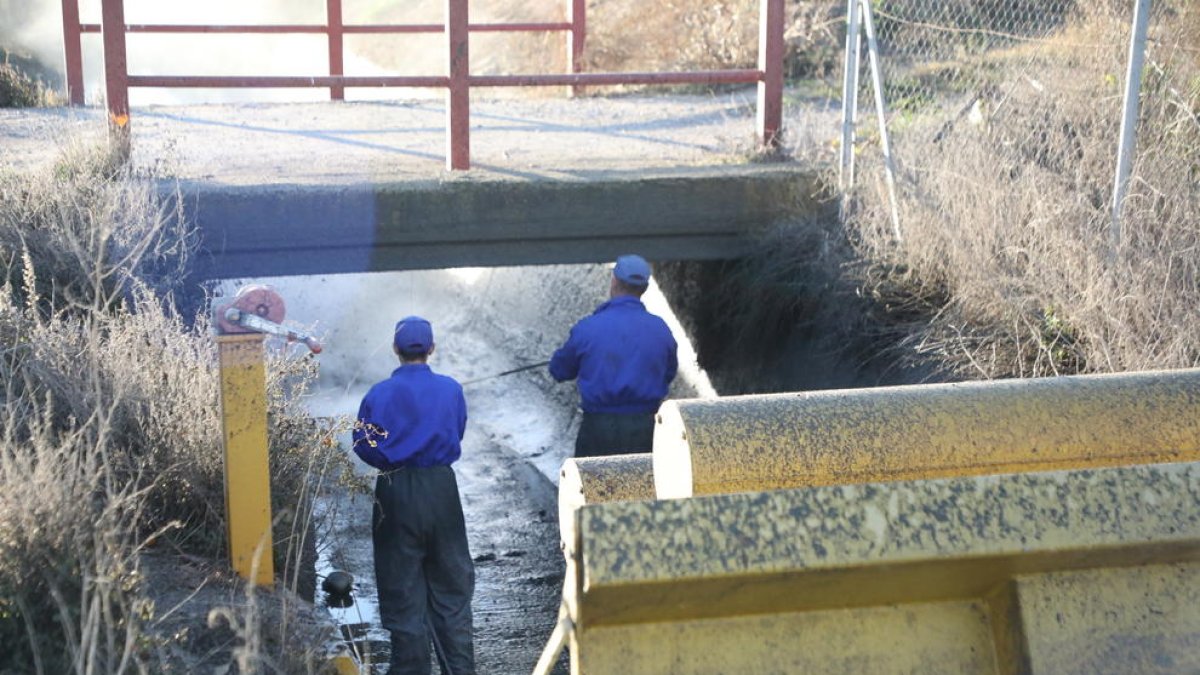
x,y
624,358
410,427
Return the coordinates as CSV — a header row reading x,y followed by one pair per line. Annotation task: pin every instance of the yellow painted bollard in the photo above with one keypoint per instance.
x,y
247,478
254,312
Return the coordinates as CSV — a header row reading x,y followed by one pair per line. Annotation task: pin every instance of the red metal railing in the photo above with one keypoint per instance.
x,y
458,82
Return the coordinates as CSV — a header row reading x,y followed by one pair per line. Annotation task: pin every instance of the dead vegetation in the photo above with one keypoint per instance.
x,y
19,87
109,442
1007,267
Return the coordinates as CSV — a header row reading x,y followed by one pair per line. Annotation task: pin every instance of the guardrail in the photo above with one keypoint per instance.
x,y
458,82
1019,527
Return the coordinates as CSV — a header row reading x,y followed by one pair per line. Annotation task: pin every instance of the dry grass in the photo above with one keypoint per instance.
x,y
109,433
622,35
18,90
625,35
1006,267
69,598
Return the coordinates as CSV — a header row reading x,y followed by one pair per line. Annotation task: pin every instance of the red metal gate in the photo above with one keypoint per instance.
x,y
458,82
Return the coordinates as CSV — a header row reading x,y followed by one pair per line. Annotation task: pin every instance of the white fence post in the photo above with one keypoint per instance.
x,y
1129,117
889,166
849,98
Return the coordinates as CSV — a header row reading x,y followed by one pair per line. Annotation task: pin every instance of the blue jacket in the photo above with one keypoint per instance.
x,y
415,418
623,356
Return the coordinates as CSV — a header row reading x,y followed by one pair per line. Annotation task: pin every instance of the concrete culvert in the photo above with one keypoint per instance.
x,y
520,429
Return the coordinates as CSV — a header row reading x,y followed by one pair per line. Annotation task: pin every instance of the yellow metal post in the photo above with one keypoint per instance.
x,y
244,431
345,664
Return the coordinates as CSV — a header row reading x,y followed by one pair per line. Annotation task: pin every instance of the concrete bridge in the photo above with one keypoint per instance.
x,y
269,230
356,187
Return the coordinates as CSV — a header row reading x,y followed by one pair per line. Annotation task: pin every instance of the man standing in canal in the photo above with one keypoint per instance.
x,y
410,427
624,358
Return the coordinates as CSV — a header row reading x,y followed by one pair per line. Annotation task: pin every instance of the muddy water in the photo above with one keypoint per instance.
x,y
513,534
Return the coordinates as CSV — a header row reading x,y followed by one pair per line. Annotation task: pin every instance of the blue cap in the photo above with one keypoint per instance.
x,y
413,334
633,270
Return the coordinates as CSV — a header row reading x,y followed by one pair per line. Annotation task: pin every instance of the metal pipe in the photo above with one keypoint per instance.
x,y
195,28
889,165
695,77
770,63
849,99
577,20
507,372
1129,117
333,14
72,52
458,91
292,81
116,73
315,29
285,81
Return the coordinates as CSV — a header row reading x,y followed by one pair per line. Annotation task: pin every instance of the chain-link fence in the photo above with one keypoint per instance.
x,y
1005,118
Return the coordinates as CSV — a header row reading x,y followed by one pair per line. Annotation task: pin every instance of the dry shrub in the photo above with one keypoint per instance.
x,y
710,34
69,593
622,35
625,35
21,83
1006,267
110,426
17,90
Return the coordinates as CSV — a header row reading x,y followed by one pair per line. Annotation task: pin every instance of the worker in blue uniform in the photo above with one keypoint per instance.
x,y
624,359
410,427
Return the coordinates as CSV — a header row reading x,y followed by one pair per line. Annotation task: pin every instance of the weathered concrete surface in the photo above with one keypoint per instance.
x,y
593,481
546,137
820,579
597,480
1142,620
954,638
736,444
708,213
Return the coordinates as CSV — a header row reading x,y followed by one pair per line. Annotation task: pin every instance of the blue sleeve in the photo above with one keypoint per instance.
x,y
462,414
564,365
364,434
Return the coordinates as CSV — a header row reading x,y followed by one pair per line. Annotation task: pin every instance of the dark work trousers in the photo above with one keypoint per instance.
x,y
614,434
424,571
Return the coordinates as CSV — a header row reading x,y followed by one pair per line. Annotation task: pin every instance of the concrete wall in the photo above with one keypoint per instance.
x,y
688,214
1086,571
